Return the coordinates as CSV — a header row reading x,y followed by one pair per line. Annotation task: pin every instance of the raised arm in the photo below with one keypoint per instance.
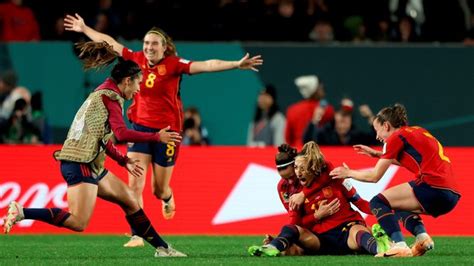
x,y
76,23
215,65
371,176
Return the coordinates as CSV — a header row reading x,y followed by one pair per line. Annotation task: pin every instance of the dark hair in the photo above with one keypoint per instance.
x,y
396,115
100,54
167,41
270,90
285,154
123,69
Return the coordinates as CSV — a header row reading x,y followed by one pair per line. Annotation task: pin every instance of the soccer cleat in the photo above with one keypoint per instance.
x,y
135,241
263,251
383,241
168,252
396,251
168,208
421,246
14,215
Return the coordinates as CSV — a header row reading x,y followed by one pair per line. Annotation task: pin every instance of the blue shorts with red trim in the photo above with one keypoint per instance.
x,y
161,153
435,201
75,173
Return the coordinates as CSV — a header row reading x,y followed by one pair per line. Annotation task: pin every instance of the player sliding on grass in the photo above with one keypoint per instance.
x,y
433,191
335,228
83,154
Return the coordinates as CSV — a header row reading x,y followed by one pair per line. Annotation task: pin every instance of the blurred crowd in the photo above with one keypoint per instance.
x,y
322,21
311,119
22,120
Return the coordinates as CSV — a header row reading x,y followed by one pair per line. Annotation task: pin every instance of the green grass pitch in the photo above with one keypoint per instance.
x,y
202,250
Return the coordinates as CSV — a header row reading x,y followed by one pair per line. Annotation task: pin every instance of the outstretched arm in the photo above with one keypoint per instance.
x,y
372,176
76,23
215,65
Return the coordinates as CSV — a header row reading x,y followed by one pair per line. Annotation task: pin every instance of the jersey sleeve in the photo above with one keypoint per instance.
x,y
180,65
128,54
351,194
280,195
118,126
392,147
114,153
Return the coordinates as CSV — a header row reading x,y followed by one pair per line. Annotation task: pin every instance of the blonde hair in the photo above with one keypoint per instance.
x,y
167,41
313,157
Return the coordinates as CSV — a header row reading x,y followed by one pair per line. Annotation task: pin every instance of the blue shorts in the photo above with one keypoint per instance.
x,y
334,241
75,173
435,201
161,153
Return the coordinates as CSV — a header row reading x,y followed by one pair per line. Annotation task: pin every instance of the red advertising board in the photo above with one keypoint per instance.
x,y
218,190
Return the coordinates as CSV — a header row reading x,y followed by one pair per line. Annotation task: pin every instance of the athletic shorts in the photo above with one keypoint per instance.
x,y
161,153
334,241
75,173
435,201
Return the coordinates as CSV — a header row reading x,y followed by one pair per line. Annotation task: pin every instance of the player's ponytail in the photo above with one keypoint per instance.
x,y
396,115
96,54
100,54
313,157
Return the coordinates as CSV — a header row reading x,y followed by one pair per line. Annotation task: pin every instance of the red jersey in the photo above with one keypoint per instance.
x,y
159,102
344,191
325,188
422,154
286,188
18,23
298,116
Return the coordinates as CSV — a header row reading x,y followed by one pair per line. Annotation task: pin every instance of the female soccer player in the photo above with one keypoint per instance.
x,y
336,227
433,191
158,104
83,154
308,243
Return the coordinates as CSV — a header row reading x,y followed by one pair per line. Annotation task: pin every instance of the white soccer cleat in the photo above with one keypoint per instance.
x,y
396,251
14,215
135,241
168,252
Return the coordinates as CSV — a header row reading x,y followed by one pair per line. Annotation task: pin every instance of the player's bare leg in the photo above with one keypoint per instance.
x,y
161,189
137,185
112,189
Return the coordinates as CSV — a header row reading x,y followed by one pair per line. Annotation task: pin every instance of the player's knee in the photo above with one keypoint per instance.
x,y
130,202
79,225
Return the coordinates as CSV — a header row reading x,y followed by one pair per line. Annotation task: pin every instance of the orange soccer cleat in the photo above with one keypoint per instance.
x,y
422,246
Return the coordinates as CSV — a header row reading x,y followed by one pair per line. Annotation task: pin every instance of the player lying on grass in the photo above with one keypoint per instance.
x,y
326,223
83,154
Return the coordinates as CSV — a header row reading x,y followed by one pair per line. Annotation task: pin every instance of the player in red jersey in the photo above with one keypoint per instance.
x,y
288,185
158,104
82,156
335,227
433,191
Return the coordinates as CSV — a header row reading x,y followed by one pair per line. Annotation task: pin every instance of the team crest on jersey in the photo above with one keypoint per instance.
x,y
162,70
327,192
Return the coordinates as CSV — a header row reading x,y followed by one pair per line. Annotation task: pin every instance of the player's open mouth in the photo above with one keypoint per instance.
x,y
302,180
